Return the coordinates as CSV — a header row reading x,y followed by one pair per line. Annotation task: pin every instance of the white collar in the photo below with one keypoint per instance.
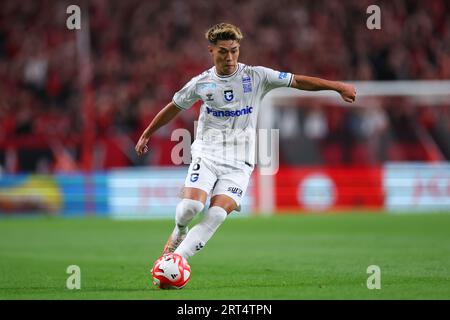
x,y
229,75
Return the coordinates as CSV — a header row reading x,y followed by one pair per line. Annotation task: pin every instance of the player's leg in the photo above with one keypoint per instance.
x,y
198,236
225,202
226,197
199,181
192,203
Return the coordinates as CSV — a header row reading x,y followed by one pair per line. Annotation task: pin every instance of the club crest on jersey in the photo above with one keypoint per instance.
x,y
228,95
209,97
247,84
194,177
282,75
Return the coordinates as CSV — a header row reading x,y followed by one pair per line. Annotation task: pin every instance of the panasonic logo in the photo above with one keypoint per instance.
x,y
230,113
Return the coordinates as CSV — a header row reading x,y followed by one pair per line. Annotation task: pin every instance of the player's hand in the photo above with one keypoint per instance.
x,y
348,92
141,147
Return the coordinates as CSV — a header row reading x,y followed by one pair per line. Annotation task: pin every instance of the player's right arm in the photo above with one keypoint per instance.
x,y
162,118
182,100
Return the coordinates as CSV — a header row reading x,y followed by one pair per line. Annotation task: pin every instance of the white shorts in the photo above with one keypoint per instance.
x,y
218,178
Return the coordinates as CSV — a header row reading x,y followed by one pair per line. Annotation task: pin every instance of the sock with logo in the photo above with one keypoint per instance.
x,y
203,231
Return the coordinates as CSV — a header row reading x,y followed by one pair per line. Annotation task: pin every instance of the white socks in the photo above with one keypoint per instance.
x,y
201,232
186,210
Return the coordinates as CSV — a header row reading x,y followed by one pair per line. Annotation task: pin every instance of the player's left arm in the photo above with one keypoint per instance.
x,y
347,91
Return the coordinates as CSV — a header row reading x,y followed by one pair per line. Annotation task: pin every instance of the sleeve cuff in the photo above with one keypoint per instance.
x,y
290,80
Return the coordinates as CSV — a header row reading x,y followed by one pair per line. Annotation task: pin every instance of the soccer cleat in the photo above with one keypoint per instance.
x,y
174,240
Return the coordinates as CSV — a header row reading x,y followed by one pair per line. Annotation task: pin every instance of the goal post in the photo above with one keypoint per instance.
x,y
429,92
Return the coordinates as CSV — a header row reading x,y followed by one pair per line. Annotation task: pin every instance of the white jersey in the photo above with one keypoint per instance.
x,y
226,130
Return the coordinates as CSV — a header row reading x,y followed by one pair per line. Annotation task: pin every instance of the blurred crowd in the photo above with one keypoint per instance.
x,y
387,129
144,51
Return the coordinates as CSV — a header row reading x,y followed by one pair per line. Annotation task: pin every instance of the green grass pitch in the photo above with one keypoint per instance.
x,y
279,257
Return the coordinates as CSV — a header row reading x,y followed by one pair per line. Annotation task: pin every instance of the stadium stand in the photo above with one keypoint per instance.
x,y
144,51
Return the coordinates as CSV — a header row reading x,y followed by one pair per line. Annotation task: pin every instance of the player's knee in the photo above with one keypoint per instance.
x,y
215,217
186,211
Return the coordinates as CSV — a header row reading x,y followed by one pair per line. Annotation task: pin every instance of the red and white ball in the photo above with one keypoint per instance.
x,y
171,271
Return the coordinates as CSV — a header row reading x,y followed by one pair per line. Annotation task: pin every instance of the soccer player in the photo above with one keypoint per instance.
x,y
231,94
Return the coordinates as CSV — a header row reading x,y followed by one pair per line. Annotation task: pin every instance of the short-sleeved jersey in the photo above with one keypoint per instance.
x,y
226,129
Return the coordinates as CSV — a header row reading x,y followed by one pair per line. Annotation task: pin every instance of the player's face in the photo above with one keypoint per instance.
x,y
225,54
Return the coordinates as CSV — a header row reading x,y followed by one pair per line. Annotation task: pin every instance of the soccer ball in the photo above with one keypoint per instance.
x,y
171,271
